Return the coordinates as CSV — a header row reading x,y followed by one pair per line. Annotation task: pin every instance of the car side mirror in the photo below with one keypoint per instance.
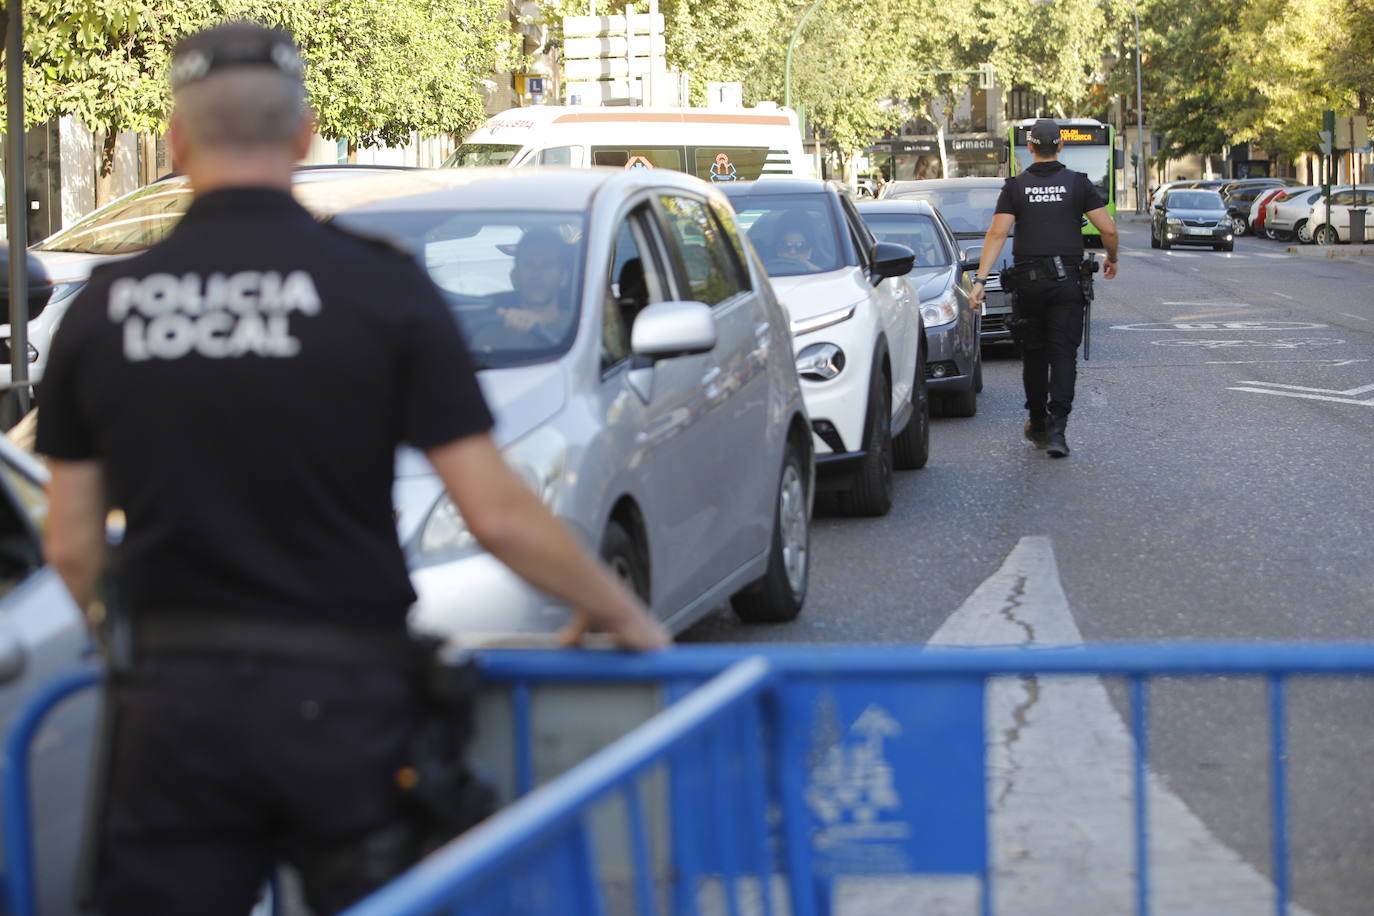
x,y
970,265
891,260
666,330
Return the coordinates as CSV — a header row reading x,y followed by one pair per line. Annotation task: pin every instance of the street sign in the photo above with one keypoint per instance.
x,y
1342,139
1324,144
1359,132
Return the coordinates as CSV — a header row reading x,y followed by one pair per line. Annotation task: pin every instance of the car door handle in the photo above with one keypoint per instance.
x,y
13,656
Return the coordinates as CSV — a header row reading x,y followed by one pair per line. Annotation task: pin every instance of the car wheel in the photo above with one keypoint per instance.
x,y
626,559
911,450
1240,224
870,492
1301,233
778,596
1325,235
1154,239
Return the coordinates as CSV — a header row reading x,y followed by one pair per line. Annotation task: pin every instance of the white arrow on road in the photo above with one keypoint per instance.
x,y
1346,396
1060,770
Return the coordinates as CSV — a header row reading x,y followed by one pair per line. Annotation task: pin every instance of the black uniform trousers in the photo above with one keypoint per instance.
x,y
224,764
1053,311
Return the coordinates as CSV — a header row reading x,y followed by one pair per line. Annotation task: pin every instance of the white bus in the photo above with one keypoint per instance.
x,y
740,144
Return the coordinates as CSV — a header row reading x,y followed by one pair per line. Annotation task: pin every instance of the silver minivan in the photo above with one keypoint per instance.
x,y
641,374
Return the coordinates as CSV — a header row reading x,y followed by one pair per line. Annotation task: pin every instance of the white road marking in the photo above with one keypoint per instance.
x,y
1270,254
1201,303
1347,392
1060,765
1307,397
1251,362
1284,296
1359,317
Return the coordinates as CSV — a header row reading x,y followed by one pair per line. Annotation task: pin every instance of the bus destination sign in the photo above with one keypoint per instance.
x,y
1080,135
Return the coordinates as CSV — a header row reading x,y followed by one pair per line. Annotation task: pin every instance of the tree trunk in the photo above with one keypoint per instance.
x,y
352,152
104,172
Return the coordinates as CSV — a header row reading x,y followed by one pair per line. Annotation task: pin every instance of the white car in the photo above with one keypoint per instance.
x,y
1285,215
1343,200
856,329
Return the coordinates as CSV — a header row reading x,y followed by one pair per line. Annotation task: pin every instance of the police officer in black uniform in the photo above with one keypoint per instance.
x,y
240,390
1047,203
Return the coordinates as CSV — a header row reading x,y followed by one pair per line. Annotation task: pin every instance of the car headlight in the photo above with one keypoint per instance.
x,y
62,291
807,325
820,362
1172,221
941,310
539,460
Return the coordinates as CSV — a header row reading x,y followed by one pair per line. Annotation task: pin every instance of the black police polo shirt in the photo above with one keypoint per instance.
x,y
1048,201
245,384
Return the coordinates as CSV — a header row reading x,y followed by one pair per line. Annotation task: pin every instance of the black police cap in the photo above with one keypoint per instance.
x,y
234,44
1044,133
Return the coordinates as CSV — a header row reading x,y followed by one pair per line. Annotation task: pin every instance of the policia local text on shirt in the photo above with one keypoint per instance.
x,y
1047,203
240,391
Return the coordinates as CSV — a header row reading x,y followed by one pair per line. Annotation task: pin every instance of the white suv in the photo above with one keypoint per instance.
x,y
856,331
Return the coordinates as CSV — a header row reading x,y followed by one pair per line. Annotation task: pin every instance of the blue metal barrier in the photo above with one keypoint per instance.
x,y
741,758
21,893
937,694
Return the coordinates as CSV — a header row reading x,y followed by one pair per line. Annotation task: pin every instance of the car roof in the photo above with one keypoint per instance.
x,y
887,205
773,186
923,184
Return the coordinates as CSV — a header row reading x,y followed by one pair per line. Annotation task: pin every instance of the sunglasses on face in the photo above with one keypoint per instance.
x,y
795,246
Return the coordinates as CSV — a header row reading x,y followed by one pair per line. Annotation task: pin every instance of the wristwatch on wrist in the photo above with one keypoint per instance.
x,y
982,280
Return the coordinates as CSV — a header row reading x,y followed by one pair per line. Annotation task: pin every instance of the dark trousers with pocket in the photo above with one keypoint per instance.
x,y
1053,330
223,765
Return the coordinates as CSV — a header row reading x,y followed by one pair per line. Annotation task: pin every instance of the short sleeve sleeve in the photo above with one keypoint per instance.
x,y
1006,201
1091,199
440,398
64,430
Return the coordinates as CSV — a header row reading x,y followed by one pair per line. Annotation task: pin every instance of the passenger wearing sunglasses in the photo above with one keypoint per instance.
x,y
795,247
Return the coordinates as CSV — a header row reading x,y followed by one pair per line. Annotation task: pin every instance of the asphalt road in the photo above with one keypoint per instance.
x,y
1203,500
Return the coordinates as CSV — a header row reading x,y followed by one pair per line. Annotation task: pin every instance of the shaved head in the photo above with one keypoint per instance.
x,y
240,109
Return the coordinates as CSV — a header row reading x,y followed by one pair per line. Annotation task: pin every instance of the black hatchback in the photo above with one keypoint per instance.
x,y
1192,217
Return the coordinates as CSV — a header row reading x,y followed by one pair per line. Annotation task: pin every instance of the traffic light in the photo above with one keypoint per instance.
x,y
1325,143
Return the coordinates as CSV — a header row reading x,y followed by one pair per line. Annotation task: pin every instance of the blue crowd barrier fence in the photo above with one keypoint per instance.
x,y
754,778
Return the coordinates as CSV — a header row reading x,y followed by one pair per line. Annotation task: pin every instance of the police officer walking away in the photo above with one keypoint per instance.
x,y
240,390
1047,202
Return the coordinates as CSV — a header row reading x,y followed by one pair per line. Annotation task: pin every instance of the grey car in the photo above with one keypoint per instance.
x,y
954,356
968,205
656,409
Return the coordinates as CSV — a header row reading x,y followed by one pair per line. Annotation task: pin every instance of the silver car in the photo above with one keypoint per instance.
x,y
954,356
652,401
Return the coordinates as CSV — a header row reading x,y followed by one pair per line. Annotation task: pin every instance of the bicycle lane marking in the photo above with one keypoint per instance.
x,y
1060,764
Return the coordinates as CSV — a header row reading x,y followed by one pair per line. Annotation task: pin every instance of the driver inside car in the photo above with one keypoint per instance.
x,y
539,277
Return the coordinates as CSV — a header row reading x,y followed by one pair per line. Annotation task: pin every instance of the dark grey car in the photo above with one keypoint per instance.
x,y
1192,217
954,361
967,205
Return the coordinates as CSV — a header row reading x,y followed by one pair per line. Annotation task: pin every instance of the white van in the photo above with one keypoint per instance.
x,y
716,145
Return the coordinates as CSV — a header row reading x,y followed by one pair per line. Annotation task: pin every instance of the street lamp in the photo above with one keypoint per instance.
x,y
791,46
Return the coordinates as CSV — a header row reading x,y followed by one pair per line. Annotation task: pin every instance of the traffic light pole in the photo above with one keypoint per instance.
x,y
1328,147
16,207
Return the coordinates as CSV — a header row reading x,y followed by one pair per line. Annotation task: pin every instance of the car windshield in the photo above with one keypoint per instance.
x,y
1090,160
914,230
964,209
479,154
511,278
130,224
1194,200
795,234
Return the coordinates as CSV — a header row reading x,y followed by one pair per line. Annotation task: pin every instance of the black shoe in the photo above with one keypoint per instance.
x,y
1036,432
1058,446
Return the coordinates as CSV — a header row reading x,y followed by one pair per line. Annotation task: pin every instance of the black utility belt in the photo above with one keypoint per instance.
x,y
1031,270
218,633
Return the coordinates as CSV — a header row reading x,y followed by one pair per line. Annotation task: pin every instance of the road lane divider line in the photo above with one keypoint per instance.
x,y
1060,762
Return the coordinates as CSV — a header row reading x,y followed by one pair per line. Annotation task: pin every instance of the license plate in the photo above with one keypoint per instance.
x,y
1192,231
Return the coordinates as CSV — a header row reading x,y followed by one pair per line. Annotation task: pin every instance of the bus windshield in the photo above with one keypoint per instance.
x,y
1090,160
469,155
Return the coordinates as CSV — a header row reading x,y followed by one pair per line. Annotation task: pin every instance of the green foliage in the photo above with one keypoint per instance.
x,y
376,70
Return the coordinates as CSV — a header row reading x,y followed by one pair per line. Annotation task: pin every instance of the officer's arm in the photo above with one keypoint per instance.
x,y
75,540
992,250
516,528
1105,225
